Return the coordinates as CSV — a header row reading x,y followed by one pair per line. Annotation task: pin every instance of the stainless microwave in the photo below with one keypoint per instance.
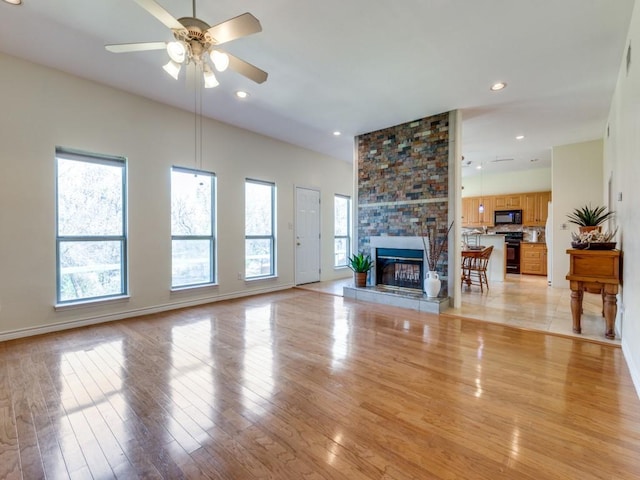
x,y
507,217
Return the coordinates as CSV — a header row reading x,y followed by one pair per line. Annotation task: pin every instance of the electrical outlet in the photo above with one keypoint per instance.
x,y
240,276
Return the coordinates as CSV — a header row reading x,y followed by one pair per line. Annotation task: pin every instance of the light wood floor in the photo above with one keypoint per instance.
x,y
304,385
522,301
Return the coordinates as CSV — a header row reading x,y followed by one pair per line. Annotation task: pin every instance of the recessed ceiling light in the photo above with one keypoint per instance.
x,y
14,2
337,133
498,86
241,94
479,167
520,137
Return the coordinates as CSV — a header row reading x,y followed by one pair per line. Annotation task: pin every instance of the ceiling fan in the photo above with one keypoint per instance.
x,y
196,43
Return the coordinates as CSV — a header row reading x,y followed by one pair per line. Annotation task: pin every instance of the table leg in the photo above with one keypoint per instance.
x,y
576,305
610,308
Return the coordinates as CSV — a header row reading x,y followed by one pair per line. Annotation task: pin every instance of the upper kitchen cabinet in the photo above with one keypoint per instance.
x,y
471,214
535,208
486,217
507,202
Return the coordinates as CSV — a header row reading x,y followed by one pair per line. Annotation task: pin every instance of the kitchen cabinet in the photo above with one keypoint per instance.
x,y
533,258
488,203
471,215
535,208
508,202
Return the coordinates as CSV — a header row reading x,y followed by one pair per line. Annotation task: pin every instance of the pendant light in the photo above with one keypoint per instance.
x,y
481,207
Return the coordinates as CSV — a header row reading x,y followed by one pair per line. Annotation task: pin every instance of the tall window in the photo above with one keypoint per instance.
x,y
259,205
91,242
192,227
342,229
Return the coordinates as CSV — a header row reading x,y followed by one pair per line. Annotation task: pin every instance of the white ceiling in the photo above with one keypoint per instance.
x,y
358,66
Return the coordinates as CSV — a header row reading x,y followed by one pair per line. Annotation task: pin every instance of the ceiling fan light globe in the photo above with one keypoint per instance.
x,y
177,51
172,68
210,80
220,60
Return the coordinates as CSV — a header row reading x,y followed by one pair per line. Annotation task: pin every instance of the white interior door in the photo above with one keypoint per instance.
x,y
307,231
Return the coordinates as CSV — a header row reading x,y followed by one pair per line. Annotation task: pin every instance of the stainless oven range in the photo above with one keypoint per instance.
x,y
512,244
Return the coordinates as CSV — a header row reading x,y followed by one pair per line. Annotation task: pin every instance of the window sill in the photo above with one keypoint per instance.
x,y
187,288
257,279
90,303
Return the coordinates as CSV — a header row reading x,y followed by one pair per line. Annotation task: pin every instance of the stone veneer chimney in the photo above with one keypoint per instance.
x,y
403,181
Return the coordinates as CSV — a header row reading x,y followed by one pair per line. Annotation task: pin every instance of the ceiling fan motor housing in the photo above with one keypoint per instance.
x,y
194,36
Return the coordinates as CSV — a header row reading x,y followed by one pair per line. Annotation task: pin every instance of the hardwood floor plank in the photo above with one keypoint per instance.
x,y
300,385
9,449
31,461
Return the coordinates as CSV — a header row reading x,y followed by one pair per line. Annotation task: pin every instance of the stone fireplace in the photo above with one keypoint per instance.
x,y
403,184
404,178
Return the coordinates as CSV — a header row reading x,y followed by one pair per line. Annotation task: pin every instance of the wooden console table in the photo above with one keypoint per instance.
x,y
594,271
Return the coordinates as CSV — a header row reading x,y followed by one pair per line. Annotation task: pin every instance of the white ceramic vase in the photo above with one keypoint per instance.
x,y
432,284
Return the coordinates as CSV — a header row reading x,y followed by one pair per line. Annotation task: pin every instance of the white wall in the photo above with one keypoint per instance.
x,y
622,166
43,108
534,180
576,181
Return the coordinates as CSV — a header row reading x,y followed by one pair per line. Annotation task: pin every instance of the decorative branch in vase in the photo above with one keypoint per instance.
x,y
432,247
433,250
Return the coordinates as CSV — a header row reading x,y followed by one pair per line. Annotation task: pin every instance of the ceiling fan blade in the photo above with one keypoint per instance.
x,y
160,13
244,68
237,27
135,47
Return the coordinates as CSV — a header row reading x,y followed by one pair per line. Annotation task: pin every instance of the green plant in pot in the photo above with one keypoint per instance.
x,y
589,218
360,263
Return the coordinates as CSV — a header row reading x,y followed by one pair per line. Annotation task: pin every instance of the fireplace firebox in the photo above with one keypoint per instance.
x,y
400,268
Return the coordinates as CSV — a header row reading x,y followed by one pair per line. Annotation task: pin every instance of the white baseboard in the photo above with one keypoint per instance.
x,y
96,319
634,369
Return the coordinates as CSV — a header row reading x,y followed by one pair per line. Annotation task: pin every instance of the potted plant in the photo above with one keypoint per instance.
x,y
589,218
360,263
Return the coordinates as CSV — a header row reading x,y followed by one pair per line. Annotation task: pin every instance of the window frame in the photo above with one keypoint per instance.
x,y
271,238
100,159
212,237
347,237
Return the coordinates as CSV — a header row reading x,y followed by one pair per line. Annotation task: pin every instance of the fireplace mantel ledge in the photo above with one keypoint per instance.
x,y
414,243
